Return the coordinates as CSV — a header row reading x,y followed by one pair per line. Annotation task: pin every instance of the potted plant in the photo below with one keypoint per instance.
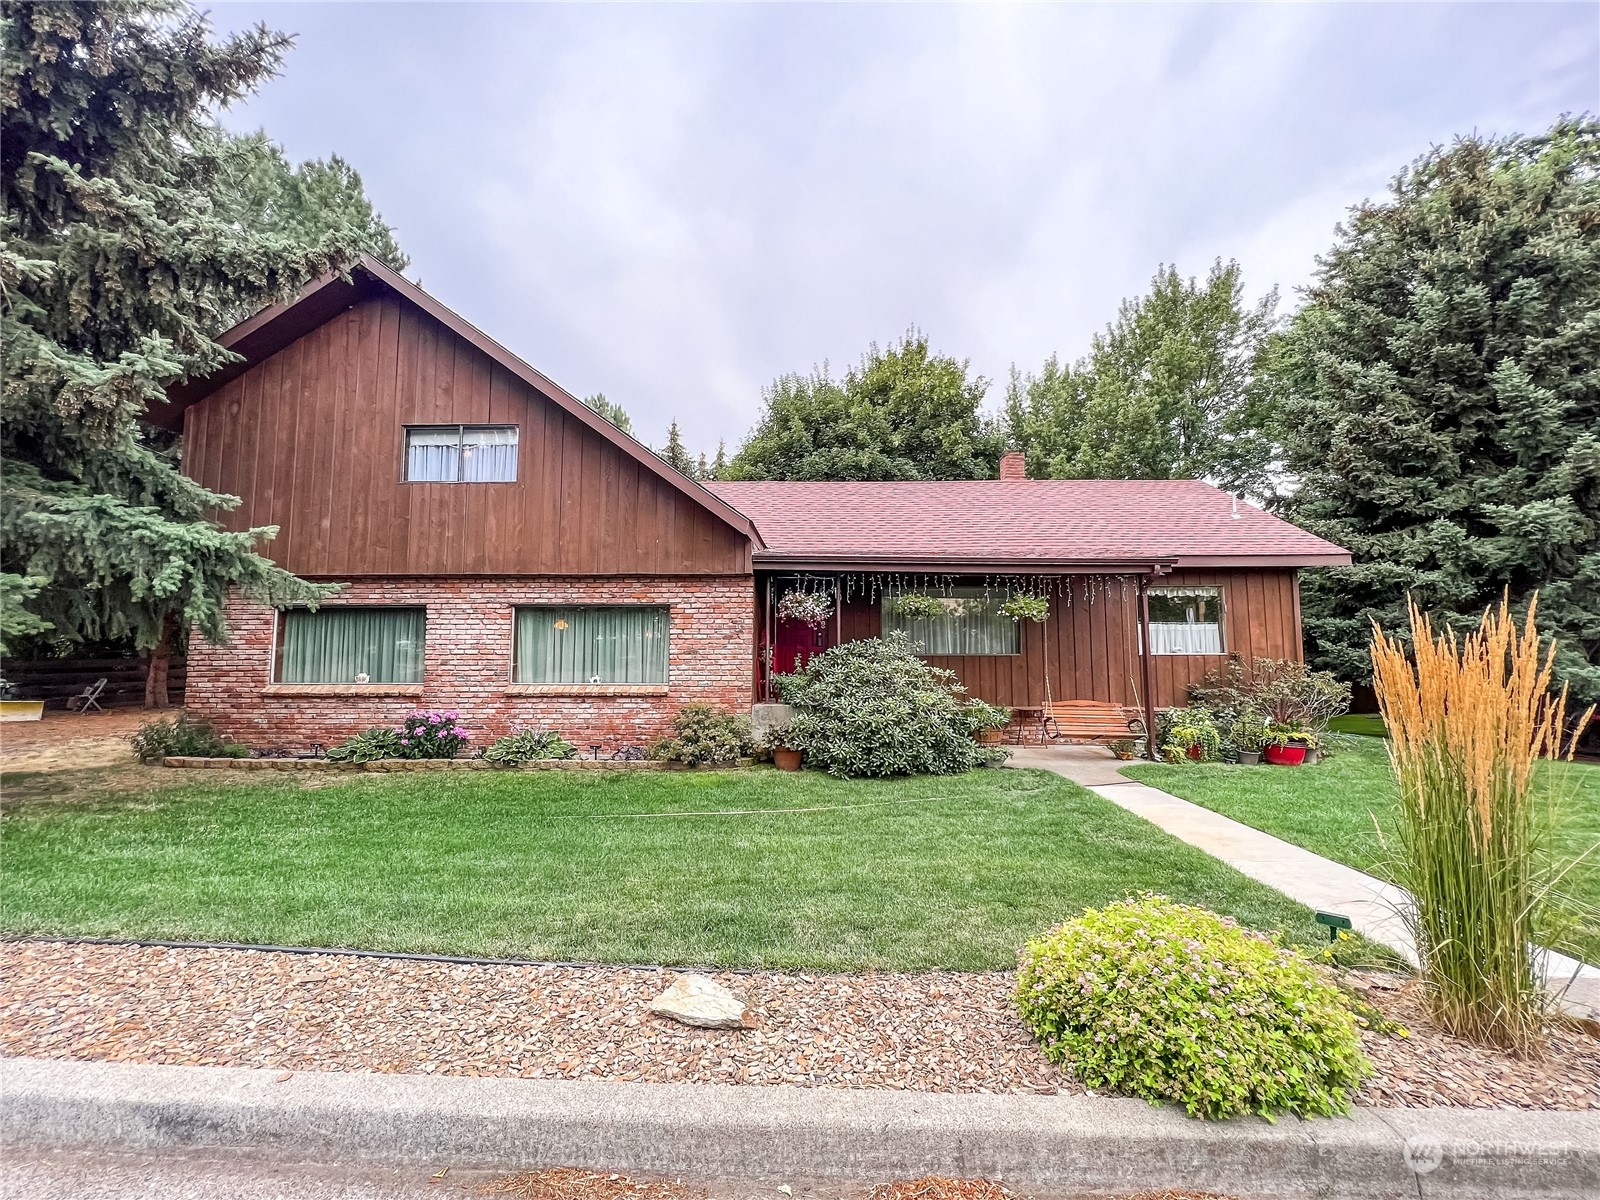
x,y
918,606
1249,732
1193,734
987,721
1123,748
809,608
784,756
1026,607
1285,745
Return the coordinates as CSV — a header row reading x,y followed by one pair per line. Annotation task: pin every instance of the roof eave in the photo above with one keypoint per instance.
x,y
1332,558
957,565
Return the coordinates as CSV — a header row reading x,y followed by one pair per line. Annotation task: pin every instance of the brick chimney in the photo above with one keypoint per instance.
x,y
1013,465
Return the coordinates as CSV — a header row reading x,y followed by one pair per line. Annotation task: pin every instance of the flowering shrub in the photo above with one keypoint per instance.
x,y
1171,1002
809,608
432,735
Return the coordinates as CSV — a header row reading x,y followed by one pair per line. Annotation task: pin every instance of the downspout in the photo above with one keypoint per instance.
x,y
1144,668
765,652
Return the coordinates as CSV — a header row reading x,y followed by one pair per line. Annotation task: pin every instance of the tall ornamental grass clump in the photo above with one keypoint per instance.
x,y
1468,720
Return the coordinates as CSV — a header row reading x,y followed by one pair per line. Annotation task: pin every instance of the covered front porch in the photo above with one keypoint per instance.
x,y
1090,644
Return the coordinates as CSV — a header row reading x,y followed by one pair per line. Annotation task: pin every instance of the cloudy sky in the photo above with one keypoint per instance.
x,y
673,205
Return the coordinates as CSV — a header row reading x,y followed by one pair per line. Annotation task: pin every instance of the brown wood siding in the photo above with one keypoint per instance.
x,y
311,440
1090,644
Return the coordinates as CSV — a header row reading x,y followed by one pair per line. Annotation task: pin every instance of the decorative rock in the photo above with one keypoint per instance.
x,y
696,1000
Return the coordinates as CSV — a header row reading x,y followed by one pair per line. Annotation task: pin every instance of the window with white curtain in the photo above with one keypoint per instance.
x,y
970,624
349,644
1186,620
621,643
461,453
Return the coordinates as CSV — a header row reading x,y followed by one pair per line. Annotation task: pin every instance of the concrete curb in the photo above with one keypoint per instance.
x,y
1050,1144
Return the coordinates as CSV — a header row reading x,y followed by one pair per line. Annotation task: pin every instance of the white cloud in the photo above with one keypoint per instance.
x,y
674,205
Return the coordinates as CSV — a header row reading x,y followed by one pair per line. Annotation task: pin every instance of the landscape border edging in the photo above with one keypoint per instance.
x,y
1048,1143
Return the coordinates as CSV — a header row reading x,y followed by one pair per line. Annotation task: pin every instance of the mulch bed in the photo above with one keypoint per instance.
x,y
941,1031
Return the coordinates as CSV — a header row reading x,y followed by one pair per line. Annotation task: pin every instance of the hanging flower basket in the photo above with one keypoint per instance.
x,y
809,608
1026,608
918,606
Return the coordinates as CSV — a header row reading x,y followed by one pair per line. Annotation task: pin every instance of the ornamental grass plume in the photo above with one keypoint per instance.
x,y
1467,722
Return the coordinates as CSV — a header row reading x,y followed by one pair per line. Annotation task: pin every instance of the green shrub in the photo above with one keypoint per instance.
x,y
528,745
874,708
703,734
182,737
1170,1002
368,747
1179,729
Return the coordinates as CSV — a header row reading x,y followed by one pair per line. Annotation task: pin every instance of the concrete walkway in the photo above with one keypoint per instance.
x,y
1375,908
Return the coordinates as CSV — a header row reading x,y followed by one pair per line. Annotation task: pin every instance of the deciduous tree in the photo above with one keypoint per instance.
x,y
900,413
1166,392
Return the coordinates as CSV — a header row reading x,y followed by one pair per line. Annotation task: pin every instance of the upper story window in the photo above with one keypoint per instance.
x,y
1186,620
461,453
971,623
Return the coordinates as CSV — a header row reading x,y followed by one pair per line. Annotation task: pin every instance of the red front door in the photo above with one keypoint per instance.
x,y
794,643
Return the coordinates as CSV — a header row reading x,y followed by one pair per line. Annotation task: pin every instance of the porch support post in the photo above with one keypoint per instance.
x,y
764,651
1144,668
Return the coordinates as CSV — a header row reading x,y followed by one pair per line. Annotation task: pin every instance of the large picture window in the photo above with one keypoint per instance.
x,y
341,644
971,623
591,644
461,454
1186,620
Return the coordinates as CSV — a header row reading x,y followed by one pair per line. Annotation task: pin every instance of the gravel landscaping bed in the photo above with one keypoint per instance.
x,y
924,1032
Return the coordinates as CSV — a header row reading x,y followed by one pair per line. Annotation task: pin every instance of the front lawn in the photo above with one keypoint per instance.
x,y
1337,807
738,869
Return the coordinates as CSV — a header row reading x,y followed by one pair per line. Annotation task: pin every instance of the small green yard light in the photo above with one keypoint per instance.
x,y
1334,922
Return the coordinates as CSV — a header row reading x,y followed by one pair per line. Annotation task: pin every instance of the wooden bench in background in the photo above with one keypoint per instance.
x,y
1092,721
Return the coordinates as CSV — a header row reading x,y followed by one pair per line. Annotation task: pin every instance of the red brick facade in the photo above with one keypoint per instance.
x,y
467,664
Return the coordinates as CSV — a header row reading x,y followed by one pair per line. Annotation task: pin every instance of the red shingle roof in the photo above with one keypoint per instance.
x,y
1035,522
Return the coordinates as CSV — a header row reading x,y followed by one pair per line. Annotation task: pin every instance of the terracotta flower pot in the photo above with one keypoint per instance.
x,y
987,737
1285,756
786,759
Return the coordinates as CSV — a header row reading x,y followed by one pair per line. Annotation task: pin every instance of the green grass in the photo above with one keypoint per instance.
x,y
921,873
1337,808
1365,724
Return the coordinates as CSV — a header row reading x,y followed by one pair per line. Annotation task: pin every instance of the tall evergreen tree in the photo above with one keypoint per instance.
x,y
611,411
1441,397
676,454
901,413
304,203
1166,392
719,464
120,265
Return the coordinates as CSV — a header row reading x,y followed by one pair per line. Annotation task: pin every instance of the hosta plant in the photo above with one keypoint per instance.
x,y
1175,1003
528,745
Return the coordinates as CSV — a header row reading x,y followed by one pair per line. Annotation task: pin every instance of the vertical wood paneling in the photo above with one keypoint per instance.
x,y
312,441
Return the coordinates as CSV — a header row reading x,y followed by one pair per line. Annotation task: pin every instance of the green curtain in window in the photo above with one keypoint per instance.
x,y
334,645
592,645
970,624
